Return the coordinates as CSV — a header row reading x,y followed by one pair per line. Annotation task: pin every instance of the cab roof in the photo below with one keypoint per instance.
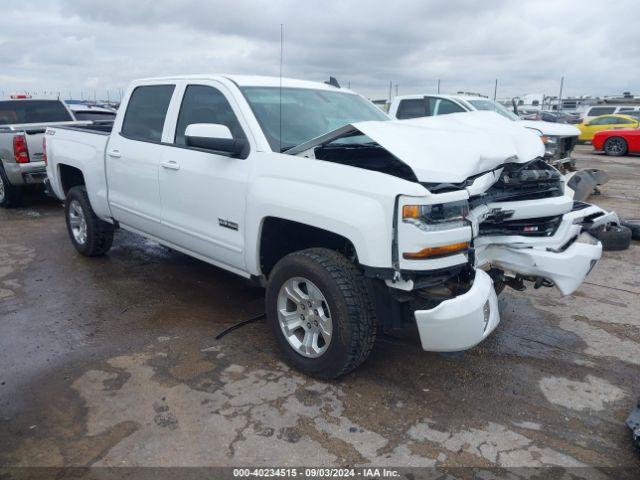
x,y
254,81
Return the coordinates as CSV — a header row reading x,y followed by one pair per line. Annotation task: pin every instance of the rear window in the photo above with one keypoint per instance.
x,y
413,108
33,111
93,116
146,112
595,111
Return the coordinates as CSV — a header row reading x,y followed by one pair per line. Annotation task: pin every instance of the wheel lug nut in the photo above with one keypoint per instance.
x,y
315,312
301,317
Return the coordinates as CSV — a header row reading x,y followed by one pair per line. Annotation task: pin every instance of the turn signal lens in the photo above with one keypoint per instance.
x,y
435,252
411,211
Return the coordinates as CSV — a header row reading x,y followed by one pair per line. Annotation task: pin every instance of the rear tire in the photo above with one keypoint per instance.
x,y
10,195
614,238
615,146
344,310
90,236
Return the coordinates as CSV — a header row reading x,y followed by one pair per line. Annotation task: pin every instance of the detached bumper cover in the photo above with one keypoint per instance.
x,y
566,269
463,321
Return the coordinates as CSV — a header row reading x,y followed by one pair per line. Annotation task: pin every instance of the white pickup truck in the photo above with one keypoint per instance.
x,y
353,222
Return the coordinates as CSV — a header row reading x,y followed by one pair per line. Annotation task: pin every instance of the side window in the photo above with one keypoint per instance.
x,y
202,104
595,111
600,121
146,112
625,109
414,108
624,121
447,106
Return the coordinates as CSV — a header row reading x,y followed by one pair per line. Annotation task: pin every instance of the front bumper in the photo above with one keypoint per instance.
x,y
567,270
560,258
461,322
19,174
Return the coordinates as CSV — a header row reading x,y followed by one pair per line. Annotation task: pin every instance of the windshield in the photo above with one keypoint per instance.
x,y
306,113
492,106
33,111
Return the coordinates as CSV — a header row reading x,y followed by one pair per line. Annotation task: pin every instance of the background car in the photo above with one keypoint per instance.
x,y
605,122
617,142
600,110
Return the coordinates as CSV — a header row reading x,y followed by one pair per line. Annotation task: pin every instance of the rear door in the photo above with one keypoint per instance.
x,y
133,158
204,193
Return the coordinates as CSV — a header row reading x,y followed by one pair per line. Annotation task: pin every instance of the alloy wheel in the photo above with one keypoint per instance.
x,y
304,317
77,222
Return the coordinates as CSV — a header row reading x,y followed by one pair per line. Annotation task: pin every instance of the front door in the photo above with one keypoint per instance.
x,y
204,193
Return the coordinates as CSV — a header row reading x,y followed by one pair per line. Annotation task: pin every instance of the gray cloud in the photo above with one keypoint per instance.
x,y
69,45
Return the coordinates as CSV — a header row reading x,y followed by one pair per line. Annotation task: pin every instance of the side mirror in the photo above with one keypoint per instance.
x,y
214,137
515,106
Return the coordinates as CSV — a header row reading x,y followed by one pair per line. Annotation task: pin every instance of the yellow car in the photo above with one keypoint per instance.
x,y
605,122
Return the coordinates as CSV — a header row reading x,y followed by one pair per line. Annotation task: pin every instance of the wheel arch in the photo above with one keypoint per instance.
x,y
279,237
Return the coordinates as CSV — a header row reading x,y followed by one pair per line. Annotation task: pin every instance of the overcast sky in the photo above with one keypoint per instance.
x,y
69,45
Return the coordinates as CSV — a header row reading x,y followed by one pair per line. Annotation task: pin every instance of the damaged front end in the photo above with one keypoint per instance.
x,y
488,218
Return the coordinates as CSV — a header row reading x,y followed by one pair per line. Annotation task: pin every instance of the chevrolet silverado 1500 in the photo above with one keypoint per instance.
x,y
353,222
23,121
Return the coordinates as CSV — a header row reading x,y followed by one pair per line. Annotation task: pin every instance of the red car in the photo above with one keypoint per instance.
x,y
617,142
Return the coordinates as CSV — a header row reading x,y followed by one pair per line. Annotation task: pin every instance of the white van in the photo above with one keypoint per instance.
x,y
598,110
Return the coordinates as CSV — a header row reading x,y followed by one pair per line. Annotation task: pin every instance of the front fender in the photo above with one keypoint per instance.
x,y
365,221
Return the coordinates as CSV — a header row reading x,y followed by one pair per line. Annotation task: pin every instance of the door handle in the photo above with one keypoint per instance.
x,y
114,153
170,165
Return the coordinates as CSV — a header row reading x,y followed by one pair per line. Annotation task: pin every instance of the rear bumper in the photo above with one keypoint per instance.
x,y
32,173
461,322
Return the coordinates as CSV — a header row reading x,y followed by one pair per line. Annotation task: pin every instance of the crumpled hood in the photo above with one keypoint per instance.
x,y
446,148
550,128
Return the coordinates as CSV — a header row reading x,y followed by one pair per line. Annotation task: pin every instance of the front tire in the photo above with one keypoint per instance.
x,y
90,236
615,146
10,195
319,311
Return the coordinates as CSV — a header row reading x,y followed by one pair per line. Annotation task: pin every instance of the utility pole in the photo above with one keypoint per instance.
x,y
495,90
390,88
560,96
438,85
396,89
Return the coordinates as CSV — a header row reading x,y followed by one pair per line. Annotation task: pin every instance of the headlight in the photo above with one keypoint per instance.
x,y
550,143
443,216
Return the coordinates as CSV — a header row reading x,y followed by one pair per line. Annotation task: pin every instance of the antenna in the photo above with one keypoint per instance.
x,y
281,55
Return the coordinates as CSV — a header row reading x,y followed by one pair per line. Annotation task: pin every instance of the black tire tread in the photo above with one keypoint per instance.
x,y
12,193
613,239
361,316
99,232
634,226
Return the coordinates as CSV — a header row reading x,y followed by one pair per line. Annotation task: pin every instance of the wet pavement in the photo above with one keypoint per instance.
x,y
113,362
